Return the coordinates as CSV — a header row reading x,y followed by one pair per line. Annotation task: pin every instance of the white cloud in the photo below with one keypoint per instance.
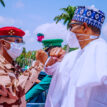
x,y
104,31
6,21
53,31
19,4
31,42
50,30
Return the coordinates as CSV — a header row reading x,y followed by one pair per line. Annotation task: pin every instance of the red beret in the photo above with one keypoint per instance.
x,y
11,32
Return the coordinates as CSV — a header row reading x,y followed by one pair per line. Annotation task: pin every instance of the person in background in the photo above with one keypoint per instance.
x,y
32,96
14,83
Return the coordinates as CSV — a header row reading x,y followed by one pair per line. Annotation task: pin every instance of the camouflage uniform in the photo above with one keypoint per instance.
x,y
13,86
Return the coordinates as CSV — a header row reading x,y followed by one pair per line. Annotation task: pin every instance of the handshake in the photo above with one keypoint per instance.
x,y
56,54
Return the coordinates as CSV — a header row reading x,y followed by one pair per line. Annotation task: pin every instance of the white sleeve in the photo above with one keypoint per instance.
x,y
50,70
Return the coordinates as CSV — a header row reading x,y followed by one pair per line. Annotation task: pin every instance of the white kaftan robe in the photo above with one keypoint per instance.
x,y
80,80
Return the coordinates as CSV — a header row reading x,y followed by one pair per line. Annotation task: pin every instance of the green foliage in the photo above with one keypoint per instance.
x,y
70,49
66,16
24,51
26,58
2,2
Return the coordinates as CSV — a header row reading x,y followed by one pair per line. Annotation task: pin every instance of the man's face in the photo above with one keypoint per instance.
x,y
76,27
79,28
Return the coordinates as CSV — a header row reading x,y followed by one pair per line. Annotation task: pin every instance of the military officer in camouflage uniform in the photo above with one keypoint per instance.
x,y
13,82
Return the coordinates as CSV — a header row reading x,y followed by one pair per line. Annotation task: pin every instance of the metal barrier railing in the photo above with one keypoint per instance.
x,y
35,105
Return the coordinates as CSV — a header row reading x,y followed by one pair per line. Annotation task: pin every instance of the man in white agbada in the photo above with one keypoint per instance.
x,y
80,79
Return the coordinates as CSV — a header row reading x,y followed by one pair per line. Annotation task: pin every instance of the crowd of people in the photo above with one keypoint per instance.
x,y
74,79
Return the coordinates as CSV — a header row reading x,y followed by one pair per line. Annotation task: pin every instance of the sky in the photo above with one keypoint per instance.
x,y
35,16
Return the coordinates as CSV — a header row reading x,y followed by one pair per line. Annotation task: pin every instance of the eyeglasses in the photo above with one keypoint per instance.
x,y
19,41
16,41
71,25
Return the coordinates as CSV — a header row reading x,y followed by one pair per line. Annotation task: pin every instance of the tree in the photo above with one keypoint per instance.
x,y
24,51
26,58
2,2
66,16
